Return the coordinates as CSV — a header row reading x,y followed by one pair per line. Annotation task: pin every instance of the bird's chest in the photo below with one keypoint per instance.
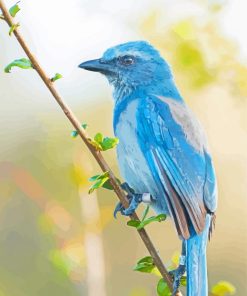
x,y
132,163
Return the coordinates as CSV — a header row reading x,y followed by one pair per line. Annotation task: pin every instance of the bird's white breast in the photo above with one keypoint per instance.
x,y
132,163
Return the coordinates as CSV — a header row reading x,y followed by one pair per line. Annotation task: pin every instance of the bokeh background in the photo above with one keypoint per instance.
x,y
54,238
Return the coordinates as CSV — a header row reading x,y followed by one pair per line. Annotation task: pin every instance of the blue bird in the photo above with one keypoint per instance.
x,y
162,153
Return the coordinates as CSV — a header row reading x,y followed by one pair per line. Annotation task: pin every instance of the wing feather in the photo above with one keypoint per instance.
x,y
178,166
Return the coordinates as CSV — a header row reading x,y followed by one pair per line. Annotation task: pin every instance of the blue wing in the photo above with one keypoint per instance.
x,y
176,151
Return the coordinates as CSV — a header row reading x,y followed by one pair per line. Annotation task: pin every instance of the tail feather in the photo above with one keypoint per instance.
x,y
197,282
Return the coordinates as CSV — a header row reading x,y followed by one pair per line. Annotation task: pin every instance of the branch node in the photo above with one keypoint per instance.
x,y
66,112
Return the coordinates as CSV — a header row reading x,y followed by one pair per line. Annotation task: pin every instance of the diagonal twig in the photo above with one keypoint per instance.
x,y
82,133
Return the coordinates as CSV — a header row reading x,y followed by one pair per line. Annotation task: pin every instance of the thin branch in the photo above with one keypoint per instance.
x,y
97,155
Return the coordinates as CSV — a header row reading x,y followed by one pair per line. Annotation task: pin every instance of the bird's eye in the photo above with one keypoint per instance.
x,y
127,60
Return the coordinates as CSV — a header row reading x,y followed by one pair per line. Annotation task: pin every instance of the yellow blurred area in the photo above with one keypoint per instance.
x,y
55,239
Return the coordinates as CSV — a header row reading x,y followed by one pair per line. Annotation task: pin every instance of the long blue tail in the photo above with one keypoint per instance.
x,y
197,281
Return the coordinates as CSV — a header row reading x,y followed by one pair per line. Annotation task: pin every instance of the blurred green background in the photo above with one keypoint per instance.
x,y
54,238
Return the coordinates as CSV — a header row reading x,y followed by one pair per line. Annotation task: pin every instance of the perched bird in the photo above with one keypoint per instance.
x,y
162,153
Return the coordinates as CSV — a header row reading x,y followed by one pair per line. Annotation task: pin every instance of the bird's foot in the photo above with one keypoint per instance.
x,y
134,200
177,274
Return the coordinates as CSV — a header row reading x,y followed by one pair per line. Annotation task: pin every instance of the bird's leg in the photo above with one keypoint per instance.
x,y
134,200
179,272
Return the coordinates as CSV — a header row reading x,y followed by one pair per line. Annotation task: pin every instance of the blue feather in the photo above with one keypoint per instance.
x,y
197,262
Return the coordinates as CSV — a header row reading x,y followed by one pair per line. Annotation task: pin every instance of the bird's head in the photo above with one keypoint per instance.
x,y
130,65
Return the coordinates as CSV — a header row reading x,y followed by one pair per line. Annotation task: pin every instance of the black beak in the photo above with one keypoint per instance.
x,y
97,66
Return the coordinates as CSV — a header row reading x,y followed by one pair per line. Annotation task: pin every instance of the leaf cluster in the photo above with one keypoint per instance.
x,y
100,181
102,143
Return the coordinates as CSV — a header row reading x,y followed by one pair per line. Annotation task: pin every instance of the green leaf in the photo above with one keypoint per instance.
x,y
223,288
109,143
145,213
94,178
163,289
152,219
147,259
146,264
12,28
107,185
97,184
133,223
56,77
14,9
98,177
99,180
141,224
104,143
74,134
147,268
21,63
98,138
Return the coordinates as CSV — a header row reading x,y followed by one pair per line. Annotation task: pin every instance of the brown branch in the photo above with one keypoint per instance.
x,y
97,155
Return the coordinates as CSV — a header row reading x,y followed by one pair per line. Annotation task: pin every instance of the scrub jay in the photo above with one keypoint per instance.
x,y
162,152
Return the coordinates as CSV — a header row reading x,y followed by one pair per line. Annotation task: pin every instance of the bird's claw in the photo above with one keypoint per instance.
x,y
125,186
134,200
119,208
177,275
